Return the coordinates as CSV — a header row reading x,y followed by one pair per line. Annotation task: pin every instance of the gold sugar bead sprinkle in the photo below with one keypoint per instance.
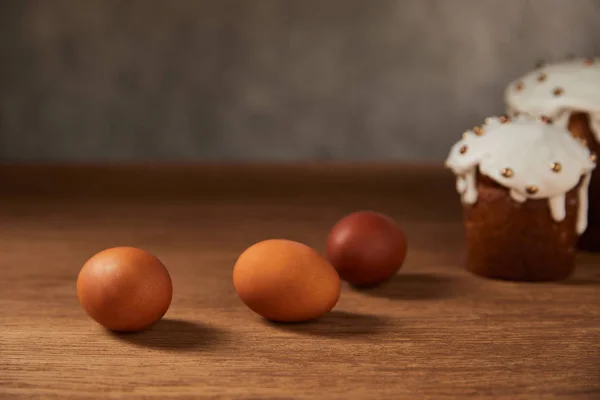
x,y
463,149
507,172
558,91
545,119
520,86
593,157
465,135
504,119
478,130
531,189
542,77
556,167
588,61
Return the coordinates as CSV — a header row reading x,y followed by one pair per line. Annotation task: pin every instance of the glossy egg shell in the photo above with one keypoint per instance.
x,y
366,248
286,281
124,289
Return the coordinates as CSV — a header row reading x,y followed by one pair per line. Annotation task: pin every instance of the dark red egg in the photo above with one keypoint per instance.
x,y
366,248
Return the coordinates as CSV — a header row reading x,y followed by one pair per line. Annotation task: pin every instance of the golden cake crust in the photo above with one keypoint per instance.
x,y
519,241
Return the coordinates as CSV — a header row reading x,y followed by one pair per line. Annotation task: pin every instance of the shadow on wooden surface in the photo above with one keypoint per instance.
x,y
335,324
174,335
412,286
587,272
581,282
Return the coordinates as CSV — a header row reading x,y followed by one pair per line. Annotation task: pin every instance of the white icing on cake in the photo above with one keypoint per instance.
x,y
578,85
534,160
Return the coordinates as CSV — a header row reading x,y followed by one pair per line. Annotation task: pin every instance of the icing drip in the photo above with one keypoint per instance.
x,y
557,207
470,194
582,212
461,185
562,119
517,196
531,158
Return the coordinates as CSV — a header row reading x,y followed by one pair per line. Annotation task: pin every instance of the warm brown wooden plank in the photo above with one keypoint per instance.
x,y
173,180
434,332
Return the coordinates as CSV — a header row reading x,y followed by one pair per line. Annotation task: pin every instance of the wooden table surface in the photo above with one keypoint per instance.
x,y
433,332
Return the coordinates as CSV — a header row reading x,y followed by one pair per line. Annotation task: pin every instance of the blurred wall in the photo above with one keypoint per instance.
x,y
267,80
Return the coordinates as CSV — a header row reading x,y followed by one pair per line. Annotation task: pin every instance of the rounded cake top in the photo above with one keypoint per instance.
x,y
532,158
556,88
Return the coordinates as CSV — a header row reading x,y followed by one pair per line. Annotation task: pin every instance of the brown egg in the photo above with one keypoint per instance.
x,y
366,248
286,281
124,289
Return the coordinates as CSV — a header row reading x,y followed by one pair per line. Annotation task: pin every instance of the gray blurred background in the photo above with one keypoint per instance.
x,y
288,80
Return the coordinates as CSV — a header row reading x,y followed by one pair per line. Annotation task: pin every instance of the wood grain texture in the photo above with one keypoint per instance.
x,y
433,332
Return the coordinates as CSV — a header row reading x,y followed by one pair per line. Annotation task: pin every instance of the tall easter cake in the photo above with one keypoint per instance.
x,y
524,186
568,93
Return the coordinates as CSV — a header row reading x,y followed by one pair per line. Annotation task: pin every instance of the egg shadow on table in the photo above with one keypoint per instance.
x,y
174,335
335,324
413,286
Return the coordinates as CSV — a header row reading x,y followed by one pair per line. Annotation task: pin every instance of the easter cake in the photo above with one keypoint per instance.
x,y
524,186
568,94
